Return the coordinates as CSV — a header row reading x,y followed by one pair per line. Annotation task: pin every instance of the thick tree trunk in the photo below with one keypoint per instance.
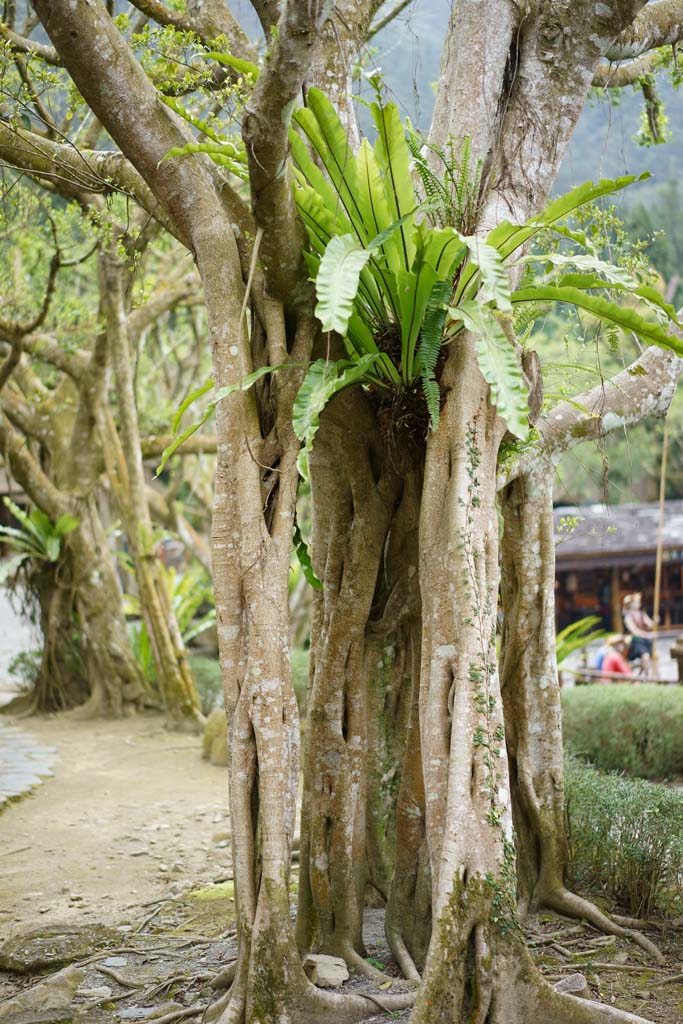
x,y
116,682
174,678
478,968
532,705
353,496
396,849
61,682
408,917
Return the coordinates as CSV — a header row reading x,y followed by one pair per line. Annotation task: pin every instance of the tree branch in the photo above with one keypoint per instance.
x,y
10,362
207,20
198,444
28,474
265,129
48,350
657,24
617,76
268,13
12,330
388,18
160,302
75,173
25,417
30,47
644,389
192,190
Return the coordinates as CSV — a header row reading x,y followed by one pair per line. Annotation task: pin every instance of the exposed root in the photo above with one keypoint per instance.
x,y
339,1008
225,978
358,965
635,922
565,902
529,999
401,955
572,1010
225,1010
311,1005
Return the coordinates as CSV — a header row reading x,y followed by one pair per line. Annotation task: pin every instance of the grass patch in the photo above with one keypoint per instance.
x,y
622,727
625,839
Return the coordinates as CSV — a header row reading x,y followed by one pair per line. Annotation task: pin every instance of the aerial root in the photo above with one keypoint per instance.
x,y
401,955
568,903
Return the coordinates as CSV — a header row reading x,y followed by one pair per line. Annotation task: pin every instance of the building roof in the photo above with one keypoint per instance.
x,y
616,534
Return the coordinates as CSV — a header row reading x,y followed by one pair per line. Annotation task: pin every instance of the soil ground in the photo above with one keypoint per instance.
x,y
131,833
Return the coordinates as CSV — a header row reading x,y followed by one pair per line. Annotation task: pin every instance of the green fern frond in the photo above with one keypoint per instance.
x,y
431,339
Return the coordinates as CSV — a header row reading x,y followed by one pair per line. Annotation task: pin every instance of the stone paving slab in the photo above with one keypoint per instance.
x,y
24,763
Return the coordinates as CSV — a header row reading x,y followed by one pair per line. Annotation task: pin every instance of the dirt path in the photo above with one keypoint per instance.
x,y
131,814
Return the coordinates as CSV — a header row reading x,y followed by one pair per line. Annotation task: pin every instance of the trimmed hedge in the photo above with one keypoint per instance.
x,y
622,727
625,839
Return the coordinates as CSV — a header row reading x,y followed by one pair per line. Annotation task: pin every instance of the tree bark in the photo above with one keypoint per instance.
x,y
174,678
532,705
353,497
478,968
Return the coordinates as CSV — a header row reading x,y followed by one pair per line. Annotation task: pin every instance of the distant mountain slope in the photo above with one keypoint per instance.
x,y
409,51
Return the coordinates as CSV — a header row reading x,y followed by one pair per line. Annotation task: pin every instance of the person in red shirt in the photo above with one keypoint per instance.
x,y
615,659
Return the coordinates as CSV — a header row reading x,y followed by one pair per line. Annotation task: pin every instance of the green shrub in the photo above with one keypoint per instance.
x,y
622,727
25,667
625,839
207,679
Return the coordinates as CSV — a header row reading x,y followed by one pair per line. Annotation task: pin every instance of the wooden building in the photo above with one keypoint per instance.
x,y
604,552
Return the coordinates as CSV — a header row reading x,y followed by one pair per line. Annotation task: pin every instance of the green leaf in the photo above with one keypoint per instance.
x,y
320,122
623,317
613,278
499,364
304,558
243,67
491,284
337,282
414,291
393,157
190,400
323,381
66,524
315,178
197,122
507,237
586,262
21,541
243,385
52,548
443,249
222,153
576,636
431,339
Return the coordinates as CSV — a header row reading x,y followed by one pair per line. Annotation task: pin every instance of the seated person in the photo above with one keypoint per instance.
x,y
615,659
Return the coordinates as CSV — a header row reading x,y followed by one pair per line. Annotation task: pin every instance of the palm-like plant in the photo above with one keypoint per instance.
x,y
397,288
36,536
